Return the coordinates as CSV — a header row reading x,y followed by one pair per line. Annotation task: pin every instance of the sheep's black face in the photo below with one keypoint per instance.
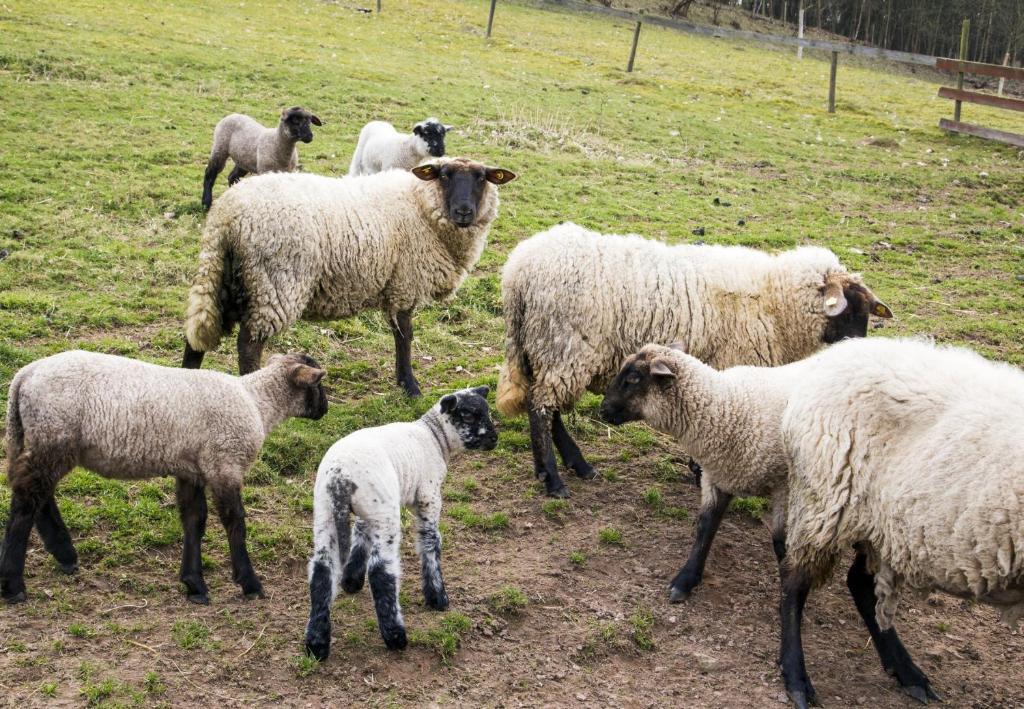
x,y
299,123
625,393
468,413
848,316
462,186
307,376
432,132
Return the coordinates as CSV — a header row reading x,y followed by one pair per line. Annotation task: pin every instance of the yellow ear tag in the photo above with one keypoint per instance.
x,y
880,310
831,301
499,175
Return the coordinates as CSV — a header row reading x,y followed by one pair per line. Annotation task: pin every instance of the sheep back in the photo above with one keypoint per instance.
x,y
286,246
915,449
578,302
128,419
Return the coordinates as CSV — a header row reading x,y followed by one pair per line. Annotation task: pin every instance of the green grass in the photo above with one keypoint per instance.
x,y
752,506
444,638
305,664
101,220
80,630
508,600
642,622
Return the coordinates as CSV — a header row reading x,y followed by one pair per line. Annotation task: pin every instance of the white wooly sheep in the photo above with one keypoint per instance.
x,y
577,302
256,149
911,453
372,473
131,420
381,147
729,420
281,247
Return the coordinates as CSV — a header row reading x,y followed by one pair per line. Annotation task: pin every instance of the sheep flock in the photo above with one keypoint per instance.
x,y
906,453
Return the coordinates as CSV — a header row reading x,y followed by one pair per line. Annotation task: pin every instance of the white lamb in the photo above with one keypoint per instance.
x,y
912,454
381,147
286,246
372,473
577,303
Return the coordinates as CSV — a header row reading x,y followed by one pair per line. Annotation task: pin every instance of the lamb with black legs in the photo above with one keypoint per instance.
x,y
372,474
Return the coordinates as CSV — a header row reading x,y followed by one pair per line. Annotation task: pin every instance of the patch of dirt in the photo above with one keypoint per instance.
x,y
573,645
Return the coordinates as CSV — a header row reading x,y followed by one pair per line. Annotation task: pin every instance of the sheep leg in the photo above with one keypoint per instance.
x,y
330,542
24,506
192,510
236,174
401,327
354,573
796,585
544,465
250,351
712,510
894,656
384,571
213,168
572,456
428,544
232,516
192,359
56,537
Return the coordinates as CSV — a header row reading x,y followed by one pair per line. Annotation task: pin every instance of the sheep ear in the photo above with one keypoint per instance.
x,y
660,369
835,300
448,128
315,120
482,391
426,172
499,176
302,375
678,347
417,129
448,403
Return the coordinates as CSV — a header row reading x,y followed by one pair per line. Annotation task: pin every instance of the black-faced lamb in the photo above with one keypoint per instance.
x,y
256,149
913,455
372,473
576,303
729,420
281,247
381,147
122,418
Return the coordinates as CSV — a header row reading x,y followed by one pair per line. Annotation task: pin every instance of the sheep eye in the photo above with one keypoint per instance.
x,y
632,378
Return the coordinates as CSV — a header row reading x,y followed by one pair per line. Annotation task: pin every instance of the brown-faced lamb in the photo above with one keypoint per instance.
x,y
125,419
281,247
255,148
577,303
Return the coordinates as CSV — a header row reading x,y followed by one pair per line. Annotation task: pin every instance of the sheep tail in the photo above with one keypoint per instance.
x,y
204,320
513,381
15,427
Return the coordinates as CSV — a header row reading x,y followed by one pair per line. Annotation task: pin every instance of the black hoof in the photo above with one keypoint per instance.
x,y
677,595
14,598
584,471
199,599
437,602
799,699
254,595
319,650
560,492
411,389
922,694
352,584
69,568
396,639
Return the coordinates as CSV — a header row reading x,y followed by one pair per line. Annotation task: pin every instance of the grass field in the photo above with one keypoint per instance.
x,y
105,127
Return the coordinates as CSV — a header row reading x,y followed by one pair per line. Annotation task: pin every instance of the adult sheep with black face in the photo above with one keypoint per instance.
x,y
577,303
283,247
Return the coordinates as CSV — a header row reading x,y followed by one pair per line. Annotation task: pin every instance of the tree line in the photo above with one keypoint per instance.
x,y
920,26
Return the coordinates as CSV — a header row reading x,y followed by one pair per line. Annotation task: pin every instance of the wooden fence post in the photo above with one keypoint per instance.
x,y
378,7
965,31
832,83
490,18
1002,80
636,40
